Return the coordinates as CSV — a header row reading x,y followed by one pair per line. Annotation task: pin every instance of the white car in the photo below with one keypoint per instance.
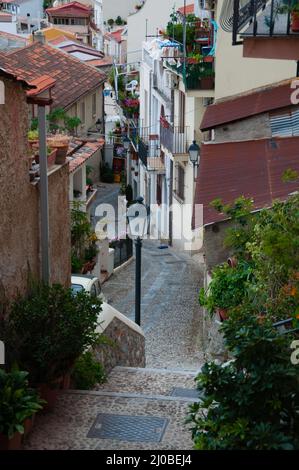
x,y
89,284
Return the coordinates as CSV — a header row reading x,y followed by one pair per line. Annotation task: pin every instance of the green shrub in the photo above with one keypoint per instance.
x,y
87,372
47,330
17,402
227,288
251,402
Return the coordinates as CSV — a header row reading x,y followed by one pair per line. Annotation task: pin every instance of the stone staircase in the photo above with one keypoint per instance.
x,y
135,409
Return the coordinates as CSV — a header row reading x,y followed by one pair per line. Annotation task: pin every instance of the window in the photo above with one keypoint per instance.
x,y
82,113
180,187
94,105
93,291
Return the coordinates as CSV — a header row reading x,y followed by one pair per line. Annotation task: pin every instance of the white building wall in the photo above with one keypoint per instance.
x,y
114,8
155,14
236,74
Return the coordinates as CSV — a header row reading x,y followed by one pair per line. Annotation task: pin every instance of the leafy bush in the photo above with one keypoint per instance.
x,y
87,372
251,402
17,402
227,288
47,330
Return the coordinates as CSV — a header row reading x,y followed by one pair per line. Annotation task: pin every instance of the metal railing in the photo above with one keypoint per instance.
x,y
198,76
264,18
174,138
143,151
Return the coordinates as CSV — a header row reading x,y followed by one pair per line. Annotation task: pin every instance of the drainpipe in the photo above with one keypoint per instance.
x,y
44,202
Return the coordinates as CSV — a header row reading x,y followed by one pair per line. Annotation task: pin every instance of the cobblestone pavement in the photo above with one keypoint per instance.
x,y
170,313
68,426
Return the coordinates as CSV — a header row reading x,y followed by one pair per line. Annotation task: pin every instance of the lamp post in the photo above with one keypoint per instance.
x,y
194,159
137,216
126,144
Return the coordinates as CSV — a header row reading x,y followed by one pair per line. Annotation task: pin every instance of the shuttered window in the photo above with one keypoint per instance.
x,y
285,123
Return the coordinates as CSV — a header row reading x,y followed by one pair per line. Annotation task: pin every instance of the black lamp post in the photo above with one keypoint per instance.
x,y
126,144
137,216
194,153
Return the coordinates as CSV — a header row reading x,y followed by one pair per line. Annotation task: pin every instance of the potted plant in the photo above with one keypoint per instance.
x,y
60,142
18,404
227,288
58,329
33,137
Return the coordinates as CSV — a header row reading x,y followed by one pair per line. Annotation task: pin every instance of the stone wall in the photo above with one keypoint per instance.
x,y
256,127
19,205
124,347
213,245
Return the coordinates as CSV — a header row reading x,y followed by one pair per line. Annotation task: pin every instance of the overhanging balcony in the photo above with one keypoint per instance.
x,y
196,76
267,29
173,138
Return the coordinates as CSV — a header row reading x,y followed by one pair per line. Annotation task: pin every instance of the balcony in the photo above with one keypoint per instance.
x,y
143,152
267,29
196,76
173,138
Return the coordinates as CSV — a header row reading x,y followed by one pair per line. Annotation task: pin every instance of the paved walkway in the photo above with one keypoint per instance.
x,y
136,409
170,313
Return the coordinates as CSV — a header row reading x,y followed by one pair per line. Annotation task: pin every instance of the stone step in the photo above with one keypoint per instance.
x,y
138,382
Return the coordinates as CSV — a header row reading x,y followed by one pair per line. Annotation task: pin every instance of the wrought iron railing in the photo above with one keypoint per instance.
x,y
173,138
264,18
143,151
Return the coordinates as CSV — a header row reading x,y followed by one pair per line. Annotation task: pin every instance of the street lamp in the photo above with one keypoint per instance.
x,y
137,216
194,153
126,144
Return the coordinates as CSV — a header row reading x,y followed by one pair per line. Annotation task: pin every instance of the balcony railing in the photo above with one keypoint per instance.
x,y
143,151
264,19
196,76
173,138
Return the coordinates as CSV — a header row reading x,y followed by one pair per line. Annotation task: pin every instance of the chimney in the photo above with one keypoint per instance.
x,y
39,36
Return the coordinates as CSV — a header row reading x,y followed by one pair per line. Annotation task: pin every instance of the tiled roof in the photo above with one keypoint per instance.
x,y
238,107
52,33
81,151
72,9
188,11
41,84
253,169
115,35
73,78
6,72
10,41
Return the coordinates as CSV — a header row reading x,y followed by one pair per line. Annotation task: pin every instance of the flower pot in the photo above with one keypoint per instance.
x,y
232,262
49,393
208,59
11,444
28,425
207,83
223,314
61,153
52,158
116,178
295,21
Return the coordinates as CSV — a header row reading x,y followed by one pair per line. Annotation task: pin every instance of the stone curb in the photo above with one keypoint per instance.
x,y
146,370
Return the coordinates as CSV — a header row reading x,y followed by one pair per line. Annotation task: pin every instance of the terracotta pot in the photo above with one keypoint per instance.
x,y
49,393
116,178
52,158
223,314
295,21
11,444
207,83
232,262
61,153
208,58
28,425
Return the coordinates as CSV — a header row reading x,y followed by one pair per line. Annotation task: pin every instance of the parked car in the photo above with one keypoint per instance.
x,y
87,283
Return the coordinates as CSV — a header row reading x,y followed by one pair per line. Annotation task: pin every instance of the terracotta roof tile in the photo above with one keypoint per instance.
x,y
253,169
238,107
82,151
73,77
188,11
